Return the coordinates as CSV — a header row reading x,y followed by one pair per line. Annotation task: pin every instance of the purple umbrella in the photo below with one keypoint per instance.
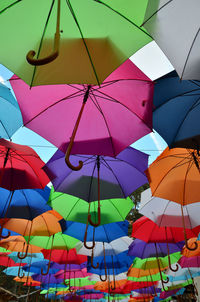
x,y
101,177
148,290
101,120
141,249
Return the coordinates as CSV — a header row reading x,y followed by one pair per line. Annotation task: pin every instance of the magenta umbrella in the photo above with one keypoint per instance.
x,y
85,119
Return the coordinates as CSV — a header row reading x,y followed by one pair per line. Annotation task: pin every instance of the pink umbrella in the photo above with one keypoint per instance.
x,y
83,119
68,274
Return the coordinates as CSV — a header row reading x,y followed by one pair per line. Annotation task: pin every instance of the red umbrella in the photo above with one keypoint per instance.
x,y
64,256
20,168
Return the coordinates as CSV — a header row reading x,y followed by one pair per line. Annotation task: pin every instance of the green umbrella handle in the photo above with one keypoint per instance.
x,y
37,62
69,148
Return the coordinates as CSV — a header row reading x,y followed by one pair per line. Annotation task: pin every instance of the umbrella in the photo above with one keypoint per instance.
x,y
141,249
179,100
10,116
25,204
192,252
20,169
178,177
75,209
168,213
105,233
90,127
91,39
189,261
169,25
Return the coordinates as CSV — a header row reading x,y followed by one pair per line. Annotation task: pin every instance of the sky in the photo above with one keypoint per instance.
x,y
151,144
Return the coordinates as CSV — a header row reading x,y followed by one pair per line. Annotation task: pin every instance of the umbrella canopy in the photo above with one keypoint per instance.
x,y
45,224
178,176
141,249
64,256
190,252
169,25
111,174
21,167
75,209
73,274
168,213
37,266
25,204
91,39
90,126
115,247
18,244
189,261
179,100
10,115
105,233
148,231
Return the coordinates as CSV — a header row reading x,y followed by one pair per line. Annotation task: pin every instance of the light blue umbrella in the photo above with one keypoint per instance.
x,y
10,114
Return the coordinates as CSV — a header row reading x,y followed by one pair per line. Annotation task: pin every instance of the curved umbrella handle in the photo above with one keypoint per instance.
x,y
104,255
19,270
168,255
85,239
2,236
24,254
37,62
69,148
92,258
185,235
48,268
66,283
161,277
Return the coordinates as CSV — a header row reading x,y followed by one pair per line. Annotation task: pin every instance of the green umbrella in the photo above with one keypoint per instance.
x,y
75,209
57,241
150,263
79,282
152,278
92,38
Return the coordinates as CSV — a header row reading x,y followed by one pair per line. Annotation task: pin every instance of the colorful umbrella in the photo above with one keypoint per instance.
x,y
25,204
189,261
96,130
179,100
91,39
169,25
168,213
10,116
178,177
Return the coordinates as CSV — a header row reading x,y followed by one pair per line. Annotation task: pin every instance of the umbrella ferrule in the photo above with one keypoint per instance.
x,y
86,94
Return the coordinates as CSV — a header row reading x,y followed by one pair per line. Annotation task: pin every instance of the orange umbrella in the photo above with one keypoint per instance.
x,y
137,272
107,285
18,243
175,175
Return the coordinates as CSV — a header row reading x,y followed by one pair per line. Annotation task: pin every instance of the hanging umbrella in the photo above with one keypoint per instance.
x,y
142,249
191,252
179,100
75,209
91,39
73,273
169,25
65,256
10,115
18,244
189,261
178,177
108,173
20,169
93,130
105,233
168,213
25,204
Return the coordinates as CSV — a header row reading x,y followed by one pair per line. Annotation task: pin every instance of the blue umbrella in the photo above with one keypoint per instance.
x,y
105,233
25,204
176,111
10,114
36,267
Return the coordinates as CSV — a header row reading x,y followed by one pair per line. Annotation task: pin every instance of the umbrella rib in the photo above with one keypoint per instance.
x,y
124,17
156,12
83,39
164,213
176,96
75,94
190,50
95,102
109,167
5,130
186,208
186,115
110,200
116,101
40,45
7,7
27,204
167,174
186,174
